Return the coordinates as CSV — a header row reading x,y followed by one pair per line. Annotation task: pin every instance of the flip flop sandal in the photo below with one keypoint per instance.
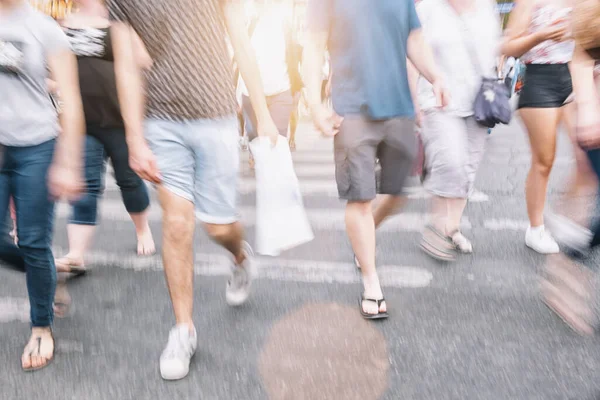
x,y
379,315
73,270
437,245
38,349
461,243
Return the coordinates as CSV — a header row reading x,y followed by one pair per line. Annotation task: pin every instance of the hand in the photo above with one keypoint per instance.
x,y
65,182
442,96
588,126
326,120
419,118
557,31
143,162
268,129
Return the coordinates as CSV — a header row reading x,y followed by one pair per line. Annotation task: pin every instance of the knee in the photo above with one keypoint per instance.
x,y
219,233
542,165
362,208
178,227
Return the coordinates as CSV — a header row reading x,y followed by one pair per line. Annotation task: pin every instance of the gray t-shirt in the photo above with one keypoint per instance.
x,y
27,114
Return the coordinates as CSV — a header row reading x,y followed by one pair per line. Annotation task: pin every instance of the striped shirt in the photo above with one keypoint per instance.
x,y
191,74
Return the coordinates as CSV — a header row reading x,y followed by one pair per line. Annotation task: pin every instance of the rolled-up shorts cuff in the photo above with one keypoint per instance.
x,y
214,220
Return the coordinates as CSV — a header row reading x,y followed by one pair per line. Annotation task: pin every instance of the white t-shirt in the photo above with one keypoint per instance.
x,y
464,47
269,44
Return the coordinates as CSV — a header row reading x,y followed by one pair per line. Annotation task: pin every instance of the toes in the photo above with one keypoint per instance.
x,y
26,361
383,307
369,307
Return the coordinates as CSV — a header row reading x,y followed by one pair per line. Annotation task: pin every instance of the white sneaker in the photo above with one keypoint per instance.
x,y
175,358
238,285
541,241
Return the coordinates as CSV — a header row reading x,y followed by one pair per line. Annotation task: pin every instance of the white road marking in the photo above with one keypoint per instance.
x,y
278,269
419,192
323,187
320,219
505,224
14,309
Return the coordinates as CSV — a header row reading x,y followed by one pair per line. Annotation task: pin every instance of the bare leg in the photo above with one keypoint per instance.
x,y
360,227
80,239
541,124
456,208
178,257
386,206
230,237
145,246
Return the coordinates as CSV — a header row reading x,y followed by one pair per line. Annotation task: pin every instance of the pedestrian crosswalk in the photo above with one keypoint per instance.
x,y
316,173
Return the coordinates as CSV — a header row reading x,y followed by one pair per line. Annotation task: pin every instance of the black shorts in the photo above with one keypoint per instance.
x,y
546,86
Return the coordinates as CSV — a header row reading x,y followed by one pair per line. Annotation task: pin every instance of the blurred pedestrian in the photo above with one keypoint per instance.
x,y
88,30
538,33
465,37
188,144
373,114
39,164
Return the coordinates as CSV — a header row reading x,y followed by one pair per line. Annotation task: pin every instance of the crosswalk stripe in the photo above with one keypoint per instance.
x,y
279,269
321,219
323,187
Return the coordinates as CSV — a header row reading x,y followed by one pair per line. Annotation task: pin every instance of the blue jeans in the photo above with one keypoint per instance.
x,y
23,175
100,144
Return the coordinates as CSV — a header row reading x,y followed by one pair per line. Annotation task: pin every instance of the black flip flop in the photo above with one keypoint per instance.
x,y
379,315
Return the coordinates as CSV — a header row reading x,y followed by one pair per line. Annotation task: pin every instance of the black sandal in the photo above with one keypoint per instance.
x,y
38,349
379,315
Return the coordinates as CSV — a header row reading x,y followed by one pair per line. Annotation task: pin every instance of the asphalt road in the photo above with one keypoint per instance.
x,y
472,330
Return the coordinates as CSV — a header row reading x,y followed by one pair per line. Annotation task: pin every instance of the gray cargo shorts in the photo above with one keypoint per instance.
x,y
358,146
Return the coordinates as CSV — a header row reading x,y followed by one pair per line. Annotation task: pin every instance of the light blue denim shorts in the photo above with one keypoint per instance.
x,y
199,161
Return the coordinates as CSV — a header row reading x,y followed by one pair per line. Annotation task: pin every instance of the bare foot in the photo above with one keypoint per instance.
x,y
39,351
145,245
62,300
70,264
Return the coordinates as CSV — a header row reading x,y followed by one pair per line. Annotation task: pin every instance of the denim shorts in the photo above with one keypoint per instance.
x,y
199,161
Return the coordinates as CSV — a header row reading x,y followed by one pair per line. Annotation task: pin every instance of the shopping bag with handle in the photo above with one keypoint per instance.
x,y
281,220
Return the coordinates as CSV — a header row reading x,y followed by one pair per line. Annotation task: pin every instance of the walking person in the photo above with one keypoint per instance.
x,y
88,30
188,144
538,33
373,113
38,164
272,39
568,284
465,38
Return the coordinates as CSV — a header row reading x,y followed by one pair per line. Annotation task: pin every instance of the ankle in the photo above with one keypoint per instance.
x,y
44,330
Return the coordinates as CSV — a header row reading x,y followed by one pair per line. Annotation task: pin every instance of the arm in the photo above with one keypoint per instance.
x,y
420,55
413,83
67,164
312,63
141,54
586,97
131,99
244,56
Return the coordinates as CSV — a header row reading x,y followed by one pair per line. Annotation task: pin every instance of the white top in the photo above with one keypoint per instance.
x,y
545,14
269,44
456,40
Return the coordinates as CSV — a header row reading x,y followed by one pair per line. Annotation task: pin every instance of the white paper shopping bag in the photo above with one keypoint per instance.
x,y
281,221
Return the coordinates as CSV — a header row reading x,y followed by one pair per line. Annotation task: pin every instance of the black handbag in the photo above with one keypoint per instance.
x,y
492,103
